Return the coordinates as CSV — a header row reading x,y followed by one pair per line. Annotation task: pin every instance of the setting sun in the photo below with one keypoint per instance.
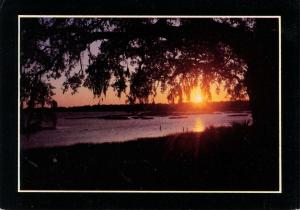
x,y
196,96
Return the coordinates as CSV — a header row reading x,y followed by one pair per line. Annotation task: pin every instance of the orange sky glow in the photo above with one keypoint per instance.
x,y
85,97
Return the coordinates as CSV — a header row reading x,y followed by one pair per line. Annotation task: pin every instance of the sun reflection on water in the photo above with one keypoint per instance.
x,y
199,126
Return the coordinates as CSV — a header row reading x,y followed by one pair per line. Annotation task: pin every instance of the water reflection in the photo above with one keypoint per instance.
x,y
86,129
199,125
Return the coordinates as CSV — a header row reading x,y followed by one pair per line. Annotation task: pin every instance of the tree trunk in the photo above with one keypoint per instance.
x,y
262,79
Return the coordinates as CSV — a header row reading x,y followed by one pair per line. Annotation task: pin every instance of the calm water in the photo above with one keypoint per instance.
x,y
93,130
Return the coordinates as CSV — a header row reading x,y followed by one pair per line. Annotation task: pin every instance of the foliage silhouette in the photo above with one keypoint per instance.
x,y
154,54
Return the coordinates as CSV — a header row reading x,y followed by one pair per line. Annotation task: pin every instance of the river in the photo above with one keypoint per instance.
x,y
84,127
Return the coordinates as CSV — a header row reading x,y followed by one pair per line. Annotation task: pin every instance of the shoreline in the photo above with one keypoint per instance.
x,y
218,158
209,107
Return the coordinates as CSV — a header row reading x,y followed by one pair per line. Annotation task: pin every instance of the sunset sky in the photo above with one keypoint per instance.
x,y
85,97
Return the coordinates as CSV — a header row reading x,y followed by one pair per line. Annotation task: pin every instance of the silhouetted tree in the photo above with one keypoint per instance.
x,y
153,55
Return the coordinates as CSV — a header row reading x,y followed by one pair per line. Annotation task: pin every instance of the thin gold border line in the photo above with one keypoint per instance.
x,y
19,95
280,119
146,16
134,191
145,191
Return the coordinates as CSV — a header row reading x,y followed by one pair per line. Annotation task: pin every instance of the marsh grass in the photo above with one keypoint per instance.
x,y
219,158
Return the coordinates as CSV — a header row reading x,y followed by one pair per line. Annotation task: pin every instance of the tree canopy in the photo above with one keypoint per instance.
x,y
147,55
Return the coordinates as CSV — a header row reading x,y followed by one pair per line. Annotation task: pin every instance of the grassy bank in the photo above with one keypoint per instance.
x,y
225,158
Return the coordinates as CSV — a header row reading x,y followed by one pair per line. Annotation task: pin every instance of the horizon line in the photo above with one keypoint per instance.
x,y
137,104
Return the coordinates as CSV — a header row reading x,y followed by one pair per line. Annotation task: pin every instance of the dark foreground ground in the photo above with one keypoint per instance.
x,y
218,159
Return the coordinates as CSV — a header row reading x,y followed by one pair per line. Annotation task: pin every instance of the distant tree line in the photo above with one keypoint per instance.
x,y
234,106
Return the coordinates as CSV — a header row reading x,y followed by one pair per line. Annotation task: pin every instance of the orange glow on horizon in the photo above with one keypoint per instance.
x,y
86,97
